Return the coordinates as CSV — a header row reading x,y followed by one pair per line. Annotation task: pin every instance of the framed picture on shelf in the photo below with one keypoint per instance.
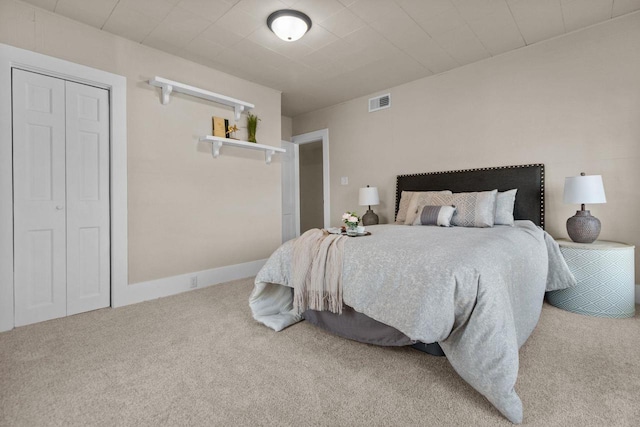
x,y
220,126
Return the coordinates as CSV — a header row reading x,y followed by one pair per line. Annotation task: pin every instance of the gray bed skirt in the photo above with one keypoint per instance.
x,y
360,327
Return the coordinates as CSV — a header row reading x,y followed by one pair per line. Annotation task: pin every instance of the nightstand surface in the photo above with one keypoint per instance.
x,y
597,245
605,275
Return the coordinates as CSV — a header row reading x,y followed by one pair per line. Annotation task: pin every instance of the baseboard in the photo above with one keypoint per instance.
x,y
159,288
637,294
167,286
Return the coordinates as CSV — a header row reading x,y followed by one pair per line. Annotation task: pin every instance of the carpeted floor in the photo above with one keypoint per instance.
x,y
199,358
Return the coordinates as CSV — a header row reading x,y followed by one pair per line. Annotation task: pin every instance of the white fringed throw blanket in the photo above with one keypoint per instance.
x,y
317,271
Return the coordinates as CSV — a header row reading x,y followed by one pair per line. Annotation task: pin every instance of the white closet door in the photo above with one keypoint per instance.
x,y
88,275
61,197
39,197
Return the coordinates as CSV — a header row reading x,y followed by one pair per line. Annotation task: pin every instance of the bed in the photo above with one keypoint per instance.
x,y
441,286
529,205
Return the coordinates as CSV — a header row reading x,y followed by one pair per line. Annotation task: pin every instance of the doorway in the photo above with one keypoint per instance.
x,y
60,197
305,193
311,197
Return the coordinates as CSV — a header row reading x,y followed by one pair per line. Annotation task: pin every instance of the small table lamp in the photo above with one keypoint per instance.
x,y
582,227
369,196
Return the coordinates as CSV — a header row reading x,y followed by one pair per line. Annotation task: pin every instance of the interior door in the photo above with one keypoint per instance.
x,y
61,197
39,197
88,275
290,192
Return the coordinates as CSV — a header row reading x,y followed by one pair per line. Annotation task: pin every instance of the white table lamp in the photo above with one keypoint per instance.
x,y
369,197
583,189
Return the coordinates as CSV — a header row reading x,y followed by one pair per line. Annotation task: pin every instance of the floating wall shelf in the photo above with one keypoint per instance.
x,y
169,86
217,142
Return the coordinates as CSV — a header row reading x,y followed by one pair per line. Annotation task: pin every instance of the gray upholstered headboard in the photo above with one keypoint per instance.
x,y
528,179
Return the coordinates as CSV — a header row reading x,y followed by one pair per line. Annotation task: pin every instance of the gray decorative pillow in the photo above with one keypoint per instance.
x,y
434,215
422,198
476,209
504,207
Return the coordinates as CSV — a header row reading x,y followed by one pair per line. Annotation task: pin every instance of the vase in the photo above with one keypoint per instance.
x,y
352,230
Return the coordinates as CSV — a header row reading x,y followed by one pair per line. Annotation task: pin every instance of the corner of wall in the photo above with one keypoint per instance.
x,y
286,128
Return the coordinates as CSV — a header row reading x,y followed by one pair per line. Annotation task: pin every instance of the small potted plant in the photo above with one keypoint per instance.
x,y
252,126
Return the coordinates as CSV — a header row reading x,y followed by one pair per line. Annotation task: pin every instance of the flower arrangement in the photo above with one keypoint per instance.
x,y
351,219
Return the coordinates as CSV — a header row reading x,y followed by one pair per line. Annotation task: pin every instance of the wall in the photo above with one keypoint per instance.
x,y
572,103
286,128
311,197
188,212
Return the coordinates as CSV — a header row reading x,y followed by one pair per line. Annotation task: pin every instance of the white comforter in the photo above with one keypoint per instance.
x,y
476,291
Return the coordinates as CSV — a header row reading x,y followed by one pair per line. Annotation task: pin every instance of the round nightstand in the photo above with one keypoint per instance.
x,y
605,275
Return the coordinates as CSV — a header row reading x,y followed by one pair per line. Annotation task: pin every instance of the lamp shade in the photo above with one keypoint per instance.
x,y
289,25
369,196
584,189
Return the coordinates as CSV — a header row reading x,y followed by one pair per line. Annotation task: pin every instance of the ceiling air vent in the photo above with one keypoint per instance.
x,y
380,102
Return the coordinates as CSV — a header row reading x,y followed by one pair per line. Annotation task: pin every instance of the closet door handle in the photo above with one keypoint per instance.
x,y
59,207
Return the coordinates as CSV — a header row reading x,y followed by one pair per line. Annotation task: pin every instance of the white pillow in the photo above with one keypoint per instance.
x,y
504,207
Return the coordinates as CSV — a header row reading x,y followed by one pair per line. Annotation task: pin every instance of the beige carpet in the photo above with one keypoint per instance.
x,y
199,359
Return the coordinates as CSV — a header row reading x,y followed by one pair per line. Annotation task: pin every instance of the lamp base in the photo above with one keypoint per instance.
x,y
369,218
583,228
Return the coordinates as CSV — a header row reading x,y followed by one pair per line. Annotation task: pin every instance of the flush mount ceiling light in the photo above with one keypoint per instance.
x,y
289,24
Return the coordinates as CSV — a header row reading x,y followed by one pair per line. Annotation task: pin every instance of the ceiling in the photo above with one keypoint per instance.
x,y
354,48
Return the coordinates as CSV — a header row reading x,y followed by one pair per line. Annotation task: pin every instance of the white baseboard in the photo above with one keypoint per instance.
x,y
637,294
153,289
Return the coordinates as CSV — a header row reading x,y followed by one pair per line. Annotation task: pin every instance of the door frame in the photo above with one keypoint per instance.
x,y
305,138
12,57
296,185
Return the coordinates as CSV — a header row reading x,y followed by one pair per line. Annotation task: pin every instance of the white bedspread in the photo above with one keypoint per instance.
x,y
476,291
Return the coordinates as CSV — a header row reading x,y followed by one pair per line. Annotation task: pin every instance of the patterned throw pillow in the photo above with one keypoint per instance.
x,y
422,198
405,198
476,209
434,215
504,207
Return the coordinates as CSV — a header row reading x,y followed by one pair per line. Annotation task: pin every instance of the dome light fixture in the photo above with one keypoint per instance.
x,y
289,25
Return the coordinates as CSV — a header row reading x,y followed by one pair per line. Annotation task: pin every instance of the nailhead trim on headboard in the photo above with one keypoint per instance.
x,y
538,165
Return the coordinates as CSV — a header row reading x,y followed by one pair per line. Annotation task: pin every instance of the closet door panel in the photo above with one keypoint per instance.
x,y
39,197
88,273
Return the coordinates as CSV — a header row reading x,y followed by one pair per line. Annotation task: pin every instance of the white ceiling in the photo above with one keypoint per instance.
x,y
354,48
